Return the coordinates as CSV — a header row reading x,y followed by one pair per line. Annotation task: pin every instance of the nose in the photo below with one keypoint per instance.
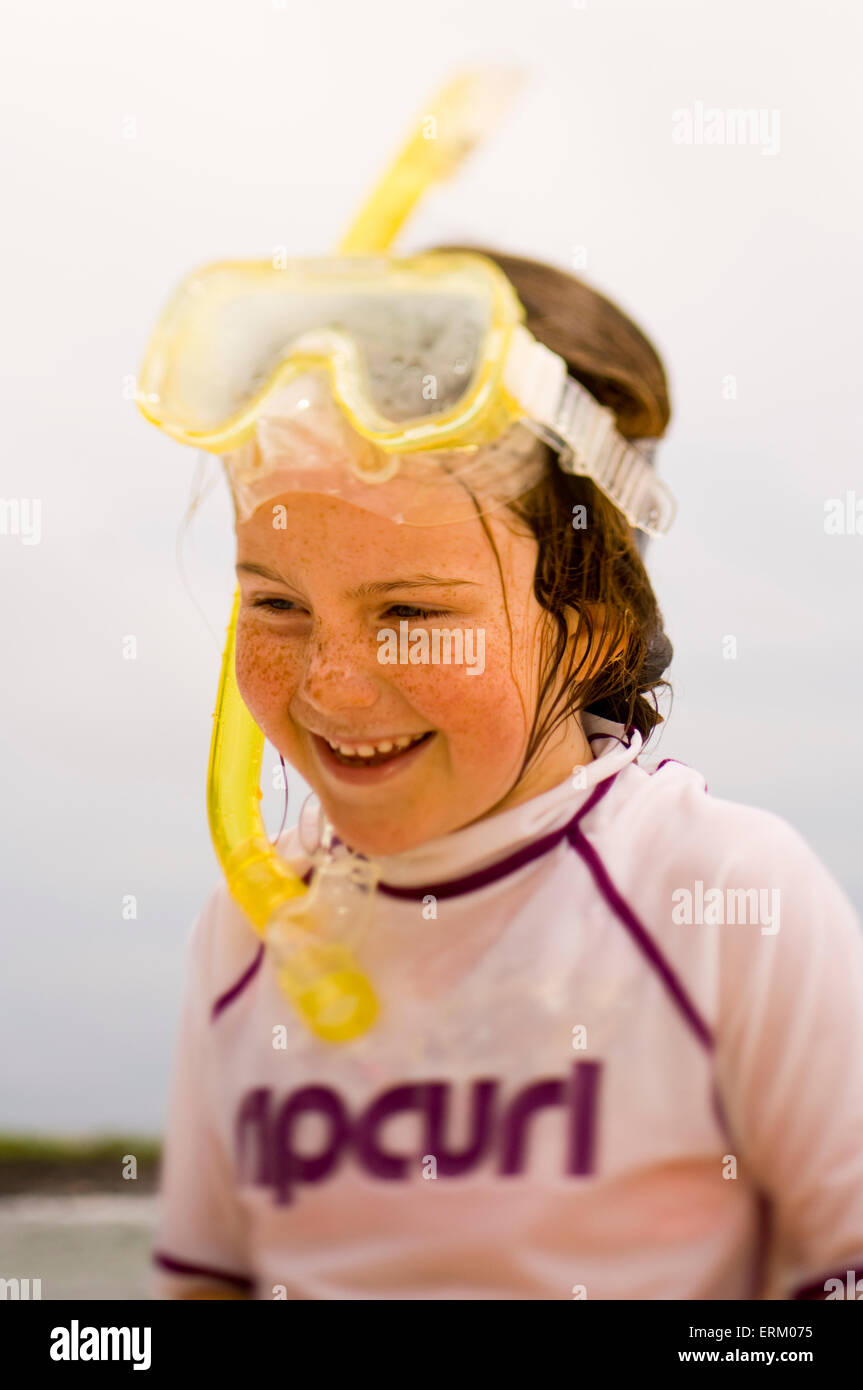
x,y
338,674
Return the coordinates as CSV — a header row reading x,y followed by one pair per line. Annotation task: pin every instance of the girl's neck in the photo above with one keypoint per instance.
x,y
567,750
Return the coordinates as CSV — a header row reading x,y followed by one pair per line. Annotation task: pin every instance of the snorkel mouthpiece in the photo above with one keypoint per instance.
x,y
338,1004
322,982
309,939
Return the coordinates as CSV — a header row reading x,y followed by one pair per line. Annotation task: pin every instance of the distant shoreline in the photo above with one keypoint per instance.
x,y
77,1166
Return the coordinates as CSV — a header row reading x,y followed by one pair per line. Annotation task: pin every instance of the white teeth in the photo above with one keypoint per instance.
x,y
369,750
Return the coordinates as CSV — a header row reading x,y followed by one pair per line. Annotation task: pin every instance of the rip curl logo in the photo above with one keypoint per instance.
x,y
440,646
269,1152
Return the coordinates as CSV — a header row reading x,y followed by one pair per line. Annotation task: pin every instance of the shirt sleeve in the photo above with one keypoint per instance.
x,y
790,1061
201,1236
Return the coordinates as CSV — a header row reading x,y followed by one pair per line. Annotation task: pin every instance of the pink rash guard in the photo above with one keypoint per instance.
x,y
619,1057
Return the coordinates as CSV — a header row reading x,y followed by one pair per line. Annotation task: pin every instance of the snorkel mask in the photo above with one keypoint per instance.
x,y
377,379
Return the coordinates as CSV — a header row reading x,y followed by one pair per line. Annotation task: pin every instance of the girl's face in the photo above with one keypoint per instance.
x,y
316,593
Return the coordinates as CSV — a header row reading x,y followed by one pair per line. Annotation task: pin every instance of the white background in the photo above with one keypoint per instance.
x,y
142,140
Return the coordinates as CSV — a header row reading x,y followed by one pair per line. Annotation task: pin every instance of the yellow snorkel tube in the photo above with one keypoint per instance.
x,y
315,968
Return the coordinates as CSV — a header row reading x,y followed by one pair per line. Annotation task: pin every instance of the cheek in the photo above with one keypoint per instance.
x,y
485,715
267,670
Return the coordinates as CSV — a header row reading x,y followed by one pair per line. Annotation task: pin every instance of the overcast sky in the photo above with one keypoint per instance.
x,y
143,141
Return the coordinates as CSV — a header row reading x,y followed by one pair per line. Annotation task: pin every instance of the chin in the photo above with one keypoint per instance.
x,y
356,832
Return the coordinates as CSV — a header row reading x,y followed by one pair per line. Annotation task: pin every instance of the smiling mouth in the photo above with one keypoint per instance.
x,y
377,753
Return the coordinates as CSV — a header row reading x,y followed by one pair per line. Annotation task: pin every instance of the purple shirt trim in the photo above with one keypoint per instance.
x,y
180,1267
641,936
470,883
660,766
230,994
595,738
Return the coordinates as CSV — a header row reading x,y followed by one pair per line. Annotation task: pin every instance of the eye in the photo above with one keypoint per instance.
x,y
276,605
407,610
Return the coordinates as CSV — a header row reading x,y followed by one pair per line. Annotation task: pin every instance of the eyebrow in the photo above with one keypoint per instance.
x,y
381,586
261,570
414,581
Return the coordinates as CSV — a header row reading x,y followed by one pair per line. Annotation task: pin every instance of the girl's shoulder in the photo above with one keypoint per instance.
x,y
715,855
222,944
669,807
739,907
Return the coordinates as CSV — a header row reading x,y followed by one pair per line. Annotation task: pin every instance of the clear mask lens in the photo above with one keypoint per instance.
x,y
411,350
304,443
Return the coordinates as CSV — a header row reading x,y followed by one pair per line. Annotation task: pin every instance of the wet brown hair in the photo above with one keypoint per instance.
x,y
604,648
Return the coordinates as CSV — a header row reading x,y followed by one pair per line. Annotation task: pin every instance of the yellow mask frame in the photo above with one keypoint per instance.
x,y
186,353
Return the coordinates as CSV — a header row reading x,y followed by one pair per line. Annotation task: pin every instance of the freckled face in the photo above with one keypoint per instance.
x,y
308,663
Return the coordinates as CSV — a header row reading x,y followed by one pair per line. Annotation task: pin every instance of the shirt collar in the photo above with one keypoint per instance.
x,y
484,842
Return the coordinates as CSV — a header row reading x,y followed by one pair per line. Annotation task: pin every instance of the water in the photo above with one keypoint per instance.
x,y
86,1247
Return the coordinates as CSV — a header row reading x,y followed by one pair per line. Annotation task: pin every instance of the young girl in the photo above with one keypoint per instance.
x,y
620,1043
